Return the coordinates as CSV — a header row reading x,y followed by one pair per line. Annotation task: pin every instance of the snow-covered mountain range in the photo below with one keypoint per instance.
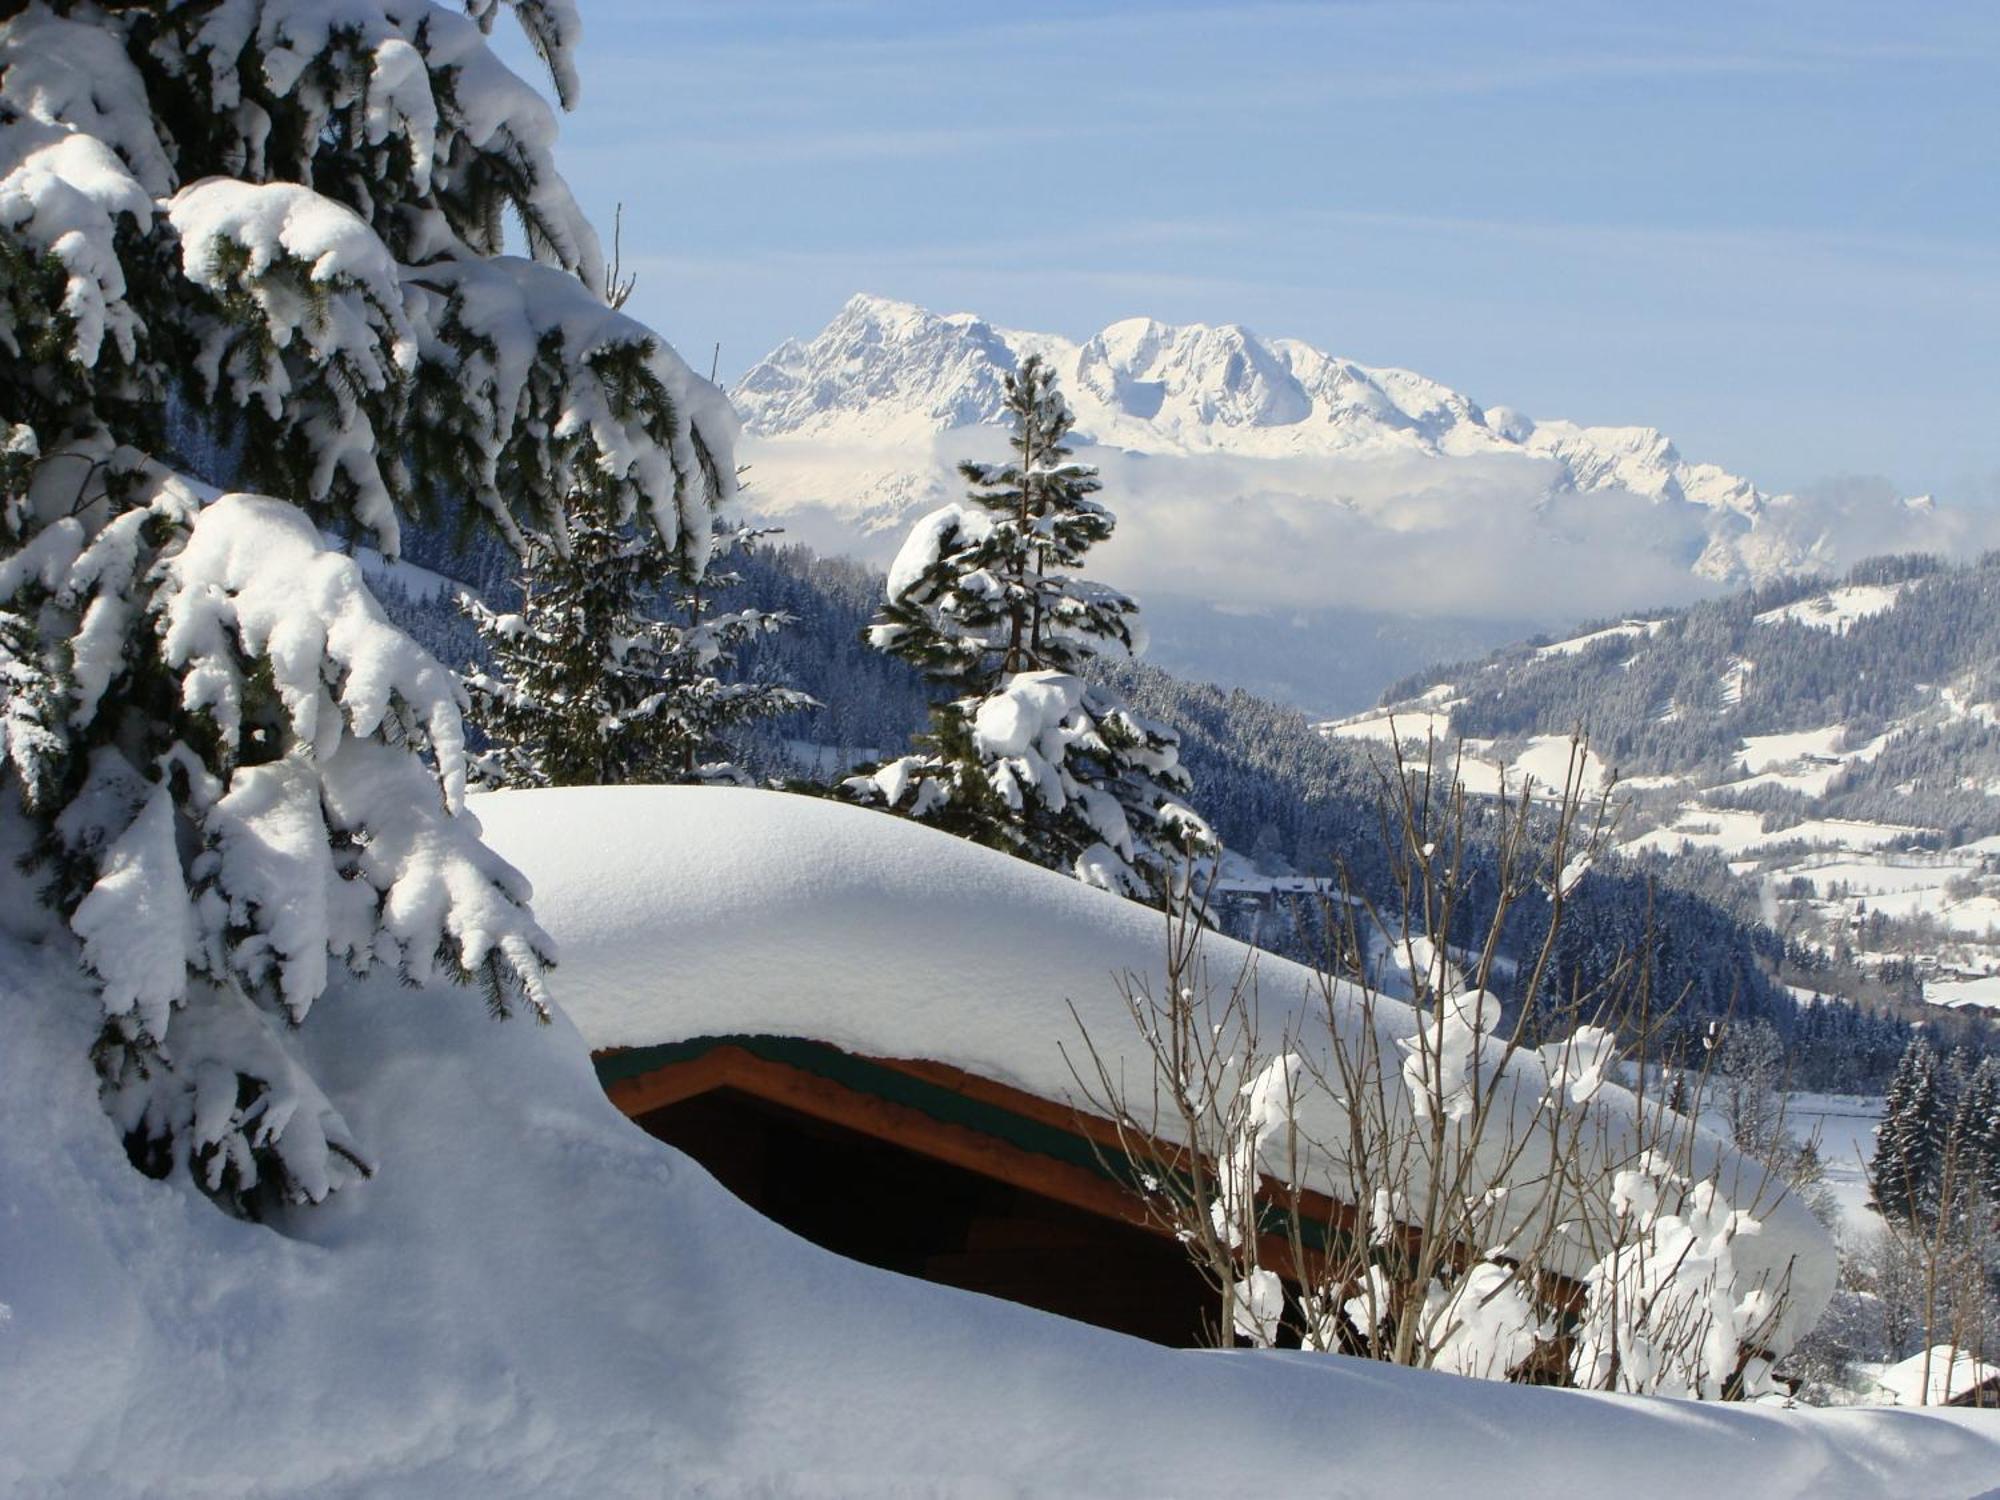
x,y
1265,477
892,372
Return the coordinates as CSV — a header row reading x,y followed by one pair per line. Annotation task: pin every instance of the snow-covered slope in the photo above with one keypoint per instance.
x,y
533,1298
1838,743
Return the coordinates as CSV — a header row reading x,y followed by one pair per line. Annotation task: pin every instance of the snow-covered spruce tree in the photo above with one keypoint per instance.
x,y
1975,1141
285,220
588,686
704,703
1906,1173
1027,755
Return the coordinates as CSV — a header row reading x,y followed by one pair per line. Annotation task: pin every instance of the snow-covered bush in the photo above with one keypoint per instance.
x,y
1664,1312
284,222
1028,755
1408,1171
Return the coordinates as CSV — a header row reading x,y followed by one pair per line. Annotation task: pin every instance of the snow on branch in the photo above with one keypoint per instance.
x,y
256,582
514,340
254,606
553,29
64,191
330,328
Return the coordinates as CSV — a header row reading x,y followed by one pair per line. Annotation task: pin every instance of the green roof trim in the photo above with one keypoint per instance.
x,y
947,1106
864,1076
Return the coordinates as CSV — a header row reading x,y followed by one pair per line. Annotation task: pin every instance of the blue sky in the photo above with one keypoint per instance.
x,y
1772,230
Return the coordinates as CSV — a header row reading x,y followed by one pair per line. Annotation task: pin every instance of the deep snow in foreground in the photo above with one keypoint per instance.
x,y
535,1298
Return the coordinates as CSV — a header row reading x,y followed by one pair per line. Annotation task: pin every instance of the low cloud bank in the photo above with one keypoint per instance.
x,y
1475,537
1318,580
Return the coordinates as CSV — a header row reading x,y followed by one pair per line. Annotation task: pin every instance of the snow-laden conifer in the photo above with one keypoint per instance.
x,y
283,223
1906,1173
984,599
590,684
1975,1142
705,701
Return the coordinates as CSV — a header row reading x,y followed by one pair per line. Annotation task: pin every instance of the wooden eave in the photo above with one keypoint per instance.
x,y
934,1110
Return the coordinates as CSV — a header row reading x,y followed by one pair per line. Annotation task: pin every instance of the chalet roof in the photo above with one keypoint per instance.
x,y
1954,1374
687,912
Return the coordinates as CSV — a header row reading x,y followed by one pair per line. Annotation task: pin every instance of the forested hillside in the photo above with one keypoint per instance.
x,y
1834,742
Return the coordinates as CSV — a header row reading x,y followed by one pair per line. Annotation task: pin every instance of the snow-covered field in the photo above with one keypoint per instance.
x,y
1542,762
1577,645
1731,833
1838,609
532,1297
1844,1126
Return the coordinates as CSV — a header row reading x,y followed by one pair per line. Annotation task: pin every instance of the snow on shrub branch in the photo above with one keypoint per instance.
x,y
1445,1180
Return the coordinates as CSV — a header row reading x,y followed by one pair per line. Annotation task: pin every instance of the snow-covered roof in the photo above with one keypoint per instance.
x,y
687,912
1952,1373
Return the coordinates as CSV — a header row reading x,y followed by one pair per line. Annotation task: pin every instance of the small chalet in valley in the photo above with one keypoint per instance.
x,y
1943,1376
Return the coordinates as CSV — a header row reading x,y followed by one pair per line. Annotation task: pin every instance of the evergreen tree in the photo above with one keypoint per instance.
x,y
1749,1086
574,682
283,224
1975,1140
705,704
985,600
588,686
1906,1172
1680,1097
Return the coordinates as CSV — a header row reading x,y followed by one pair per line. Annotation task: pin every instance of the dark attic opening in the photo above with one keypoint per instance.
x,y
919,1169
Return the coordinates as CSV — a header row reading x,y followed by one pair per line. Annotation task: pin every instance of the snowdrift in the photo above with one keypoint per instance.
x,y
685,912
533,1298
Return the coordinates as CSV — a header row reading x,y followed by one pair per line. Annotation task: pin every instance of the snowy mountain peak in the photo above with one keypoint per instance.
x,y
1186,380
885,372
881,370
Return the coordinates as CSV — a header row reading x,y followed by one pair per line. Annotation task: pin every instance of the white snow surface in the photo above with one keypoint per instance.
x,y
1577,645
1844,1127
1765,752
1541,763
534,1298
1839,609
